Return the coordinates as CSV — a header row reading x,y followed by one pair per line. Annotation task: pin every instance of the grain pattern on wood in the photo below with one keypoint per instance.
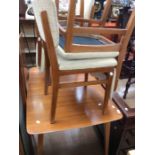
x,y
76,84
92,48
76,107
93,30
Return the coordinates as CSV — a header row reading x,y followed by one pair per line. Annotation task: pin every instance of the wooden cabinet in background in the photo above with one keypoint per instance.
x,y
27,27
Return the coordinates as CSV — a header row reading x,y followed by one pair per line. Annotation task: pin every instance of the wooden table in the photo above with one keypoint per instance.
x,y
76,108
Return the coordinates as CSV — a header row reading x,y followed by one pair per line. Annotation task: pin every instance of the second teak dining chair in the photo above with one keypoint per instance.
x,y
94,39
83,60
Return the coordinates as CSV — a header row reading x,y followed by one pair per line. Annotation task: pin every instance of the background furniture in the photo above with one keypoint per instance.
x,y
131,75
128,68
22,8
122,136
27,27
26,147
127,137
99,5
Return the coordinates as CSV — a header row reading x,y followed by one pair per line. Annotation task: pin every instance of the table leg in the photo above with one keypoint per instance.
x,y
107,138
40,144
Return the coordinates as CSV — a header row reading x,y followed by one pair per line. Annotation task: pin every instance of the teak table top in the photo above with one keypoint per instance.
x,y
77,107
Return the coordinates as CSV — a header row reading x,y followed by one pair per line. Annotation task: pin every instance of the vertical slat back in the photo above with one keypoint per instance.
x,y
49,44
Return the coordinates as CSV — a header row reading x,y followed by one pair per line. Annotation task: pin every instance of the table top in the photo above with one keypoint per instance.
x,y
76,107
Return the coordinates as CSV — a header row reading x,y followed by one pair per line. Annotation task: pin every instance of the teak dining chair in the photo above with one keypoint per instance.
x,y
97,33
79,20
66,29
82,59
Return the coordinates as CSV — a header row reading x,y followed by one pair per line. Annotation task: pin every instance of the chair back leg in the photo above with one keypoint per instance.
x,y
55,88
47,72
107,91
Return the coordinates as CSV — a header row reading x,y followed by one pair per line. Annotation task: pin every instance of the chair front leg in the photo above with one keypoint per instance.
x,y
107,91
55,88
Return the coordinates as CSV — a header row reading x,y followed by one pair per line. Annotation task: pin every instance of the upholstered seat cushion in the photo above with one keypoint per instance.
x,y
131,152
65,64
50,7
83,40
85,55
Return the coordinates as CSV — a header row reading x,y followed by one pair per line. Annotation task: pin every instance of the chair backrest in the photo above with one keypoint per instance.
x,y
50,7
